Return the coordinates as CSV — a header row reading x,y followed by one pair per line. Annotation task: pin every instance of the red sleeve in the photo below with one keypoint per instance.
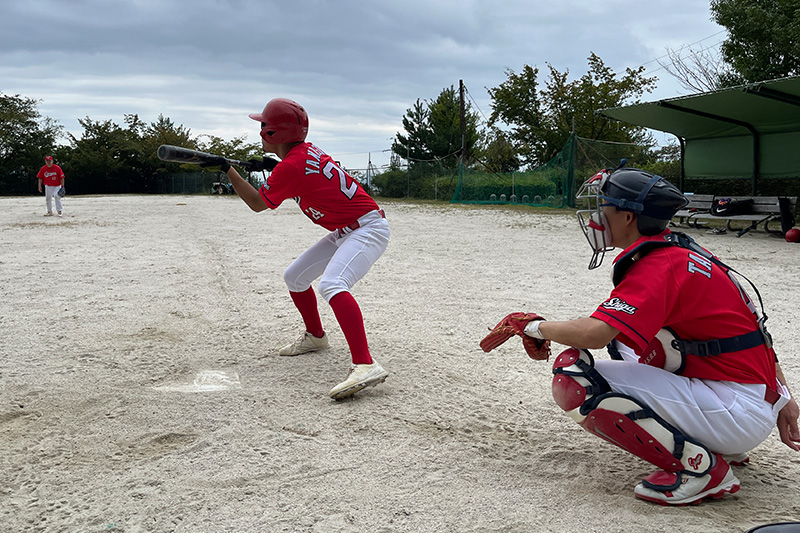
x,y
283,183
40,173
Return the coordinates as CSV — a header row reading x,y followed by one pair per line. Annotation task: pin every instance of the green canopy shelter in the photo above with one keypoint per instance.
x,y
750,131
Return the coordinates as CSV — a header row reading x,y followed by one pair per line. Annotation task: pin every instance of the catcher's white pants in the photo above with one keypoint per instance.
x,y
340,260
50,192
727,417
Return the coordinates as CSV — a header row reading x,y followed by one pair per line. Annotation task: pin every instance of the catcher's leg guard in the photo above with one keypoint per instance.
x,y
622,420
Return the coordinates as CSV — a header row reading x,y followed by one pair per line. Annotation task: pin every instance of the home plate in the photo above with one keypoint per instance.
x,y
206,381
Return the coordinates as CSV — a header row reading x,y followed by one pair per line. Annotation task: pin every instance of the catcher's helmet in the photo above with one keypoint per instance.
x,y
653,199
282,121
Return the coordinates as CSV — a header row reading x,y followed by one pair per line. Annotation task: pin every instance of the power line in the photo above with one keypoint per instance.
x,y
688,46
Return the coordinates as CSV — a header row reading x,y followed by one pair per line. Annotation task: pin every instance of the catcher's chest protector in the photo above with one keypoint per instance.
x,y
667,346
622,420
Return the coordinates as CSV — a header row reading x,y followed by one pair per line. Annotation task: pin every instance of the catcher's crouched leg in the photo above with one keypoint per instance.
x,y
580,390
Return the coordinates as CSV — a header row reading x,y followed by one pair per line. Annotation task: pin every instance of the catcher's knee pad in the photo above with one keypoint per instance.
x,y
622,420
575,382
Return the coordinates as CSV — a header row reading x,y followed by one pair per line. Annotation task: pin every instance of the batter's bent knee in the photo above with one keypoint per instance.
x,y
330,288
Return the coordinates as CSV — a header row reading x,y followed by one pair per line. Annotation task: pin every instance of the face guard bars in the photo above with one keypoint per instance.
x,y
591,219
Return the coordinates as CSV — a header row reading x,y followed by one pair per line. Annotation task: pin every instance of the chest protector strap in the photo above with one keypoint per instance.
x,y
713,346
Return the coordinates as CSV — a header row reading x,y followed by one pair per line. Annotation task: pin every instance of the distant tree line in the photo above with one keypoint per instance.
x,y
106,158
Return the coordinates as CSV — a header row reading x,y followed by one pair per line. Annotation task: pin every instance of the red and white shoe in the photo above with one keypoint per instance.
x,y
737,459
676,488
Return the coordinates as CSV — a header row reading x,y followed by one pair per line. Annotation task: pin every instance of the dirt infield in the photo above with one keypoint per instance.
x,y
140,387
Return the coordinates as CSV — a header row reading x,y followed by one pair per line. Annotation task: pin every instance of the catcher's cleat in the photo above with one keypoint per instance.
x,y
737,459
676,488
359,377
305,343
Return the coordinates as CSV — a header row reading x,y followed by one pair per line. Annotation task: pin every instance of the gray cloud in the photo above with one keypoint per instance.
x,y
355,65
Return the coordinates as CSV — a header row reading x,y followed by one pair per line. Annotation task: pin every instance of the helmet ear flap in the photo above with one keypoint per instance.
x,y
282,121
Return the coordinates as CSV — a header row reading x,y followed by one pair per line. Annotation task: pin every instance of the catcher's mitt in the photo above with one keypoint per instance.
x,y
62,192
514,324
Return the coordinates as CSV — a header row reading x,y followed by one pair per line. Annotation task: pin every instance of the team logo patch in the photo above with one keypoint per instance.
x,y
618,304
694,462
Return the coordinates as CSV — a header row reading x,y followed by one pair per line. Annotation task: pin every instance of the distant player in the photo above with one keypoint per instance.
x,y
53,178
693,382
357,235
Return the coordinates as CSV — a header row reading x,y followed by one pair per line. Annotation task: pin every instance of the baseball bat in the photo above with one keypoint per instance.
x,y
179,154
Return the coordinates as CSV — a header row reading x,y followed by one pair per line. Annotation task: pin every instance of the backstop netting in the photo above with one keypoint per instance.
x,y
553,184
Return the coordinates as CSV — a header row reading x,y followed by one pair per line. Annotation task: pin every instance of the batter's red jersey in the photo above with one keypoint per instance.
x,y
51,175
325,192
674,287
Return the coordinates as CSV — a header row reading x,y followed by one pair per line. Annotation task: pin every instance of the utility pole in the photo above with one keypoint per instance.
x,y
463,157
408,167
463,121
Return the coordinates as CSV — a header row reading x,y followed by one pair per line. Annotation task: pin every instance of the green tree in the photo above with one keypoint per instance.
x,y
499,155
26,137
433,139
542,120
515,102
763,40
413,146
107,158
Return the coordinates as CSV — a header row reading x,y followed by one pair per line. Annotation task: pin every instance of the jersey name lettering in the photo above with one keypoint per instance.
x,y
618,304
699,265
312,164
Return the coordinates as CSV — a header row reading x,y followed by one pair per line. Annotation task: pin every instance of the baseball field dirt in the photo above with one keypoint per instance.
x,y
141,390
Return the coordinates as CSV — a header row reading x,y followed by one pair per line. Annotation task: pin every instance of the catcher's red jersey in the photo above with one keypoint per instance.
x,y
677,288
327,194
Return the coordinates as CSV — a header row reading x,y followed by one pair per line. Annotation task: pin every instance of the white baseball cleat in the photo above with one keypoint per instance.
x,y
359,377
305,343
676,488
737,459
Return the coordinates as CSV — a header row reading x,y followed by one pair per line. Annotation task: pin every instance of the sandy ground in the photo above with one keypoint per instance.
x,y
140,387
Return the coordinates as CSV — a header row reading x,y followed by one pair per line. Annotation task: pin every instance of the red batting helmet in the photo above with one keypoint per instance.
x,y
793,235
282,121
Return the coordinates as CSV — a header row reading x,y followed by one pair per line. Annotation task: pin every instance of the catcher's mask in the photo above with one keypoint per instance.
x,y
592,220
653,199
282,121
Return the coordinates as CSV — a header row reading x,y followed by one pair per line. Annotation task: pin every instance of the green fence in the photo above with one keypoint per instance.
x,y
553,184
188,183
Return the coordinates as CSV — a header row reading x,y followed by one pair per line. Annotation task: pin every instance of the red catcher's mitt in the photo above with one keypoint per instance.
x,y
514,324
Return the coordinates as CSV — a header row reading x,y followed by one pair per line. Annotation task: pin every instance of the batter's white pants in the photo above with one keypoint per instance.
x,y
340,260
727,417
50,192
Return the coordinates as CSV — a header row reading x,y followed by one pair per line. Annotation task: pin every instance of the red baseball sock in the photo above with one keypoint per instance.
x,y
306,303
350,319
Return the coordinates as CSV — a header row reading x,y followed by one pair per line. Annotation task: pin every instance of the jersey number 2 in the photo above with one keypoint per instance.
x,y
330,169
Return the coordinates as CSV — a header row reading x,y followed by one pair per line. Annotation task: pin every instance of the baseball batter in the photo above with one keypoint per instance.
x,y
53,178
693,382
358,234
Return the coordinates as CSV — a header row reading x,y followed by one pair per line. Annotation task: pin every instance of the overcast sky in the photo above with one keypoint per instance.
x,y
356,66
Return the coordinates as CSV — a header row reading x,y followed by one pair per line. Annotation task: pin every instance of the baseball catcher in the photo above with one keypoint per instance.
x,y
693,383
